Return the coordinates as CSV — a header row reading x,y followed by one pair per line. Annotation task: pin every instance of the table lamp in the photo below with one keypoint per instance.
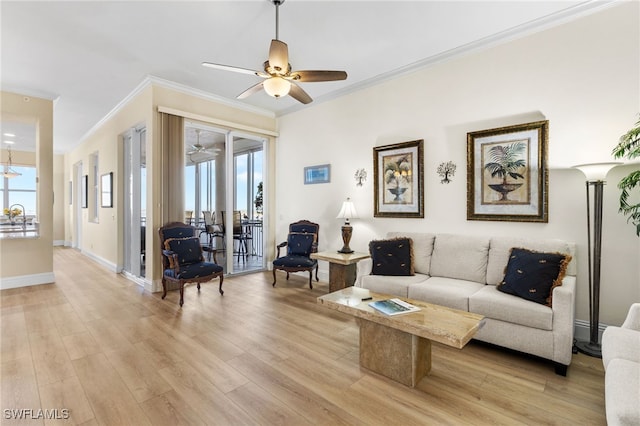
x,y
348,211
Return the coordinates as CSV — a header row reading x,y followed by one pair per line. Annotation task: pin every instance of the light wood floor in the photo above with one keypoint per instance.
x,y
96,344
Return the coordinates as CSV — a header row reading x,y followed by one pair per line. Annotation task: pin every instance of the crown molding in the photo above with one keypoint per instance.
x,y
151,80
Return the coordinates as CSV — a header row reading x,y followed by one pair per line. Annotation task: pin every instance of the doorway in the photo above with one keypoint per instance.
x,y
77,206
135,196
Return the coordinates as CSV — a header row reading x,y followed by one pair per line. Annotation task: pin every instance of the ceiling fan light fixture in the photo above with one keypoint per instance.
x,y
8,171
277,87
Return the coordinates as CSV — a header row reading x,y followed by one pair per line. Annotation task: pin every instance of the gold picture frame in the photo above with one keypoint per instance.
x,y
507,173
399,180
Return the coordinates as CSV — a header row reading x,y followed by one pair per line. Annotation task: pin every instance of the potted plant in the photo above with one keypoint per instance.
x,y
629,147
258,200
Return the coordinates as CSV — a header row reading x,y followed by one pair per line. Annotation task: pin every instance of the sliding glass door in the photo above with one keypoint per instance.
x,y
223,194
247,172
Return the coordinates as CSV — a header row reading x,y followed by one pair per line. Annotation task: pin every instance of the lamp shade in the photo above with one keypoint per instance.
x,y
277,86
348,211
595,172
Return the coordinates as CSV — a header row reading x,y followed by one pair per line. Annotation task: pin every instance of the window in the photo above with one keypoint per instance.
x,y
190,185
20,190
207,170
248,171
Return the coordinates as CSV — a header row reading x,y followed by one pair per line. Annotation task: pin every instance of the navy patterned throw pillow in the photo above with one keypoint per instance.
x,y
187,249
533,275
392,257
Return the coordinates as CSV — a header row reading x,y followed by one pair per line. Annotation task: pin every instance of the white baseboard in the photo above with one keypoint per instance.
x,y
581,330
142,282
27,280
104,262
156,286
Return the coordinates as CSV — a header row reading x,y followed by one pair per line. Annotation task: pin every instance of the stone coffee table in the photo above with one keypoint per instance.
x,y
399,346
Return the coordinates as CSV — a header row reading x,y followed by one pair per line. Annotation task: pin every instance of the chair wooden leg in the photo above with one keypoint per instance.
x,y
317,273
181,293
220,287
274,277
310,278
164,288
287,276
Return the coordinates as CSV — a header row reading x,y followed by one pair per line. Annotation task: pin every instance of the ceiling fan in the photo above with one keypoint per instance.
x,y
279,79
198,148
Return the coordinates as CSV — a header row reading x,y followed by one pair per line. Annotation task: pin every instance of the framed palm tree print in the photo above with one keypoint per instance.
x,y
507,173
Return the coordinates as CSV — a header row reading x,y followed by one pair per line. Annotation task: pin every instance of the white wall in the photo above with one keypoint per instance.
x,y
583,77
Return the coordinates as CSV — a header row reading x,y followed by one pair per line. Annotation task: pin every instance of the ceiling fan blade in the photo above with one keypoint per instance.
x,y
279,56
299,95
311,76
232,68
250,91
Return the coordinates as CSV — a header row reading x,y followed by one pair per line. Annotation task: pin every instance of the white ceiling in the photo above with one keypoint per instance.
x,y
89,55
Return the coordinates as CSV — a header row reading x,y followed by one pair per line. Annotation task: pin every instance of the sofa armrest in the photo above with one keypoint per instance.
x,y
633,318
563,305
363,268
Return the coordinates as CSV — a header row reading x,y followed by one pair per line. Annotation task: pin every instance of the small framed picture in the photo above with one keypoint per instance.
x,y
317,174
507,174
106,192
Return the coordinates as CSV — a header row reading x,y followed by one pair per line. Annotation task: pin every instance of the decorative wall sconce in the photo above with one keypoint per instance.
x,y
446,170
361,176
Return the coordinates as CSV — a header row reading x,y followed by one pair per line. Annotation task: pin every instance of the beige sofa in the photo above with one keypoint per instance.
x,y
462,272
621,359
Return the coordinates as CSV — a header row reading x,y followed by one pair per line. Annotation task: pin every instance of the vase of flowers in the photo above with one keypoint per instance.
x,y
12,214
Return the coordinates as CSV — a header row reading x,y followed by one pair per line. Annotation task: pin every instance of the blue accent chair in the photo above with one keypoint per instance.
x,y
302,240
182,260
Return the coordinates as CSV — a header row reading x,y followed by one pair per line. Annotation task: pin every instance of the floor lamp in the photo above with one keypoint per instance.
x,y
595,174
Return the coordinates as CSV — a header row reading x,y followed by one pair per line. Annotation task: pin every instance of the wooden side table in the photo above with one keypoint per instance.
x,y
342,267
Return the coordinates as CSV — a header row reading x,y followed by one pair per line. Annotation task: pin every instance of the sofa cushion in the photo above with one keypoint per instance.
x,y
391,285
422,245
295,261
622,392
449,292
300,244
460,256
187,249
392,257
492,303
500,249
619,342
194,271
533,275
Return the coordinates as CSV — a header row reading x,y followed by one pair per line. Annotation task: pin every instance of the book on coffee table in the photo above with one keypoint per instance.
x,y
393,306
